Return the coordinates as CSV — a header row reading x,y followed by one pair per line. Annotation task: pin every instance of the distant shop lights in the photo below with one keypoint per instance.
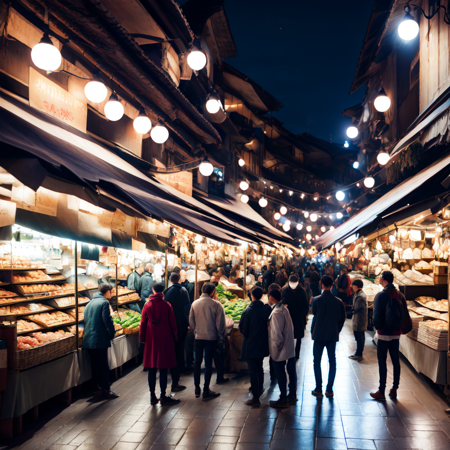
x,y
352,132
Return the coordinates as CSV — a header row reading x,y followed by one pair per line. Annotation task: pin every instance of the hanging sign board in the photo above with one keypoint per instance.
x,y
181,181
48,97
7,213
152,226
46,202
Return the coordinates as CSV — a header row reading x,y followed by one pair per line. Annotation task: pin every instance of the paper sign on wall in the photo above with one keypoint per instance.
x,y
7,213
46,203
181,181
137,245
152,226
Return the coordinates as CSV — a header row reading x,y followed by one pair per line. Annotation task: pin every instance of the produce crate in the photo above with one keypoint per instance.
x,y
23,359
440,279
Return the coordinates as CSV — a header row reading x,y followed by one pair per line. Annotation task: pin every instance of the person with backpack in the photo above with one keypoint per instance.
x,y
391,319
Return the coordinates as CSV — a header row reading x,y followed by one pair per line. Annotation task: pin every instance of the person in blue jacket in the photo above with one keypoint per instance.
x,y
98,333
146,285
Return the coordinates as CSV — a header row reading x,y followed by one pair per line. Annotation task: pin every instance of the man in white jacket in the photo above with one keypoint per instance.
x,y
281,344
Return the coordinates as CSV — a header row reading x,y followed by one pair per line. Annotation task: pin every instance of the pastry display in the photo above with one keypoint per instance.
x,y
38,288
25,325
71,287
124,290
439,306
37,307
26,277
51,319
426,312
37,339
12,299
72,312
4,310
68,301
5,294
18,262
437,324
91,285
22,309
129,298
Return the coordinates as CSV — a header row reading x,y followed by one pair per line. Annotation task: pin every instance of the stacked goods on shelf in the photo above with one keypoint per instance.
x,y
72,312
371,290
423,267
31,276
39,338
24,326
38,288
68,301
18,263
234,310
379,264
23,309
129,321
123,291
412,277
130,298
416,319
7,294
51,319
9,300
91,285
434,334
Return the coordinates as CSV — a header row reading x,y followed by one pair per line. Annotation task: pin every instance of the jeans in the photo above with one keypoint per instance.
x,y
255,366
360,339
382,350
100,367
280,371
162,380
219,357
179,354
298,346
319,346
208,348
292,374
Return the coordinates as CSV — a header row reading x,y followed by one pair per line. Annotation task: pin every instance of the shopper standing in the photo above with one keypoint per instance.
x,y
360,318
178,297
146,282
158,331
281,344
390,318
98,333
296,300
134,279
207,320
255,345
314,280
329,318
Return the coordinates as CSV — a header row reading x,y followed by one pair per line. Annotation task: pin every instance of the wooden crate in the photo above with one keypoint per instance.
x,y
440,279
133,330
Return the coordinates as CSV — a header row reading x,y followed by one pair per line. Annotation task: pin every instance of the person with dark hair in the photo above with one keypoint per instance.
x,y
158,331
268,277
178,297
389,317
207,321
98,333
134,279
146,284
281,344
255,345
329,318
360,318
281,278
314,280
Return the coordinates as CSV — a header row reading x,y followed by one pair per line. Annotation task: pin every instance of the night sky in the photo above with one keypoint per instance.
x,y
305,54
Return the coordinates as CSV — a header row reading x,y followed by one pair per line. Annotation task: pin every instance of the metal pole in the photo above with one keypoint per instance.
x,y
245,274
117,282
76,294
166,281
196,278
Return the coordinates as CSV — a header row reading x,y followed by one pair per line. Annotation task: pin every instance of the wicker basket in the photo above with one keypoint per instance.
x,y
23,359
131,330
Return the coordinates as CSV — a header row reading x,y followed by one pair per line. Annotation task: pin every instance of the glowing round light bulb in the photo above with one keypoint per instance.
x,y
244,198
369,182
306,214
241,162
340,196
352,132
95,91
408,28
159,134
45,55
346,144
142,124
288,221
277,216
263,202
114,109
383,158
308,237
339,215
283,210
196,59
213,105
382,103
309,228
243,185
356,165
313,217
206,168
286,227
299,226
323,229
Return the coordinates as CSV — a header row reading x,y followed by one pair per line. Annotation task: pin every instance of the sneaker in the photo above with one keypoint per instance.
x,y
329,394
253,402
178,388
393,393
210,394
222,381
198,391
292,399
356,358
379,395
153,399
168,401
109,395
280,403
317,393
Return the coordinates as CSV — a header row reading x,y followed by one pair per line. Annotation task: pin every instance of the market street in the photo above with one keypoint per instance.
x,y
351,420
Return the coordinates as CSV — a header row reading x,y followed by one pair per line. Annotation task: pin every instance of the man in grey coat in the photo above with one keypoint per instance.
x,y
360,318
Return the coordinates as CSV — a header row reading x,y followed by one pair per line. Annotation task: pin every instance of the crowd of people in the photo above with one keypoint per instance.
x,y
173,326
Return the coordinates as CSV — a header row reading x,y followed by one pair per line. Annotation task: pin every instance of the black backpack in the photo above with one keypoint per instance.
x,y
395,316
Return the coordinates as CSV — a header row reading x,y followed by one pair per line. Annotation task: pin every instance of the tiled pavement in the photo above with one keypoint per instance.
x,y
349,421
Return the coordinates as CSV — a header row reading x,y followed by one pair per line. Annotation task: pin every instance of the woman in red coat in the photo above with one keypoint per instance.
x,y
158,331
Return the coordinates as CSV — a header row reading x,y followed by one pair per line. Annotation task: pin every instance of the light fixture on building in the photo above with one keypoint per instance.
x,y
213,103
340,196
95,91
243,185
277,216
291,192
241,162
283,210
159,133
263,202
281,190
369,182
302,196
356,165
142,124
206,168
382,103
45,55
346,144
196,58
383,158
352,132
114,109
244,198
408,28
299,226
286,227
358,185
339,215
313,217
306,214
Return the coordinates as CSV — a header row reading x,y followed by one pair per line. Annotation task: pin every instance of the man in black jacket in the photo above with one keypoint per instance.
x,y
388,336
329,318
178,297
295,298
255,342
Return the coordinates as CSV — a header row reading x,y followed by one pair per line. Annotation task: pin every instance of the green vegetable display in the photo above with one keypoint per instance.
x,y
131,321
223,293
234,310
